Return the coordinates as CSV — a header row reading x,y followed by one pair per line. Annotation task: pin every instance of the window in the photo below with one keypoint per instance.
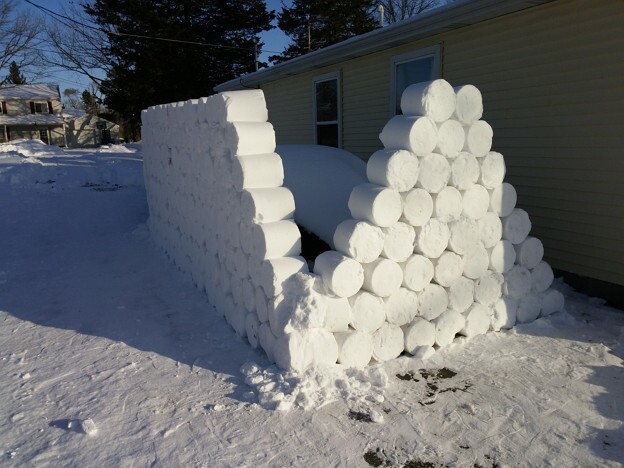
x,y
327,112
412,67
43,136
41,107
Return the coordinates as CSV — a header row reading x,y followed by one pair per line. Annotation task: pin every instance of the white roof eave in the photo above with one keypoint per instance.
x,y
439,20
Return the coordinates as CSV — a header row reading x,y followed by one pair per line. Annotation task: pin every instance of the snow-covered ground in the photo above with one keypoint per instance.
x,y
109,356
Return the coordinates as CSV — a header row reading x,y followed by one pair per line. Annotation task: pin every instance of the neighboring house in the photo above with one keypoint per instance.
x,y
551,76
89,130
31,111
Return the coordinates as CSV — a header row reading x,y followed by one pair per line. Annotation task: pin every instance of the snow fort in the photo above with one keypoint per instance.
x,y
434,247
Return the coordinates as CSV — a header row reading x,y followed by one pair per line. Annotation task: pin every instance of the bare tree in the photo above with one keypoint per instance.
x,y
77,43
19,38
397,10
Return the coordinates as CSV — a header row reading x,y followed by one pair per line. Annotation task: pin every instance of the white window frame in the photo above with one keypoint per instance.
x,y
335,75
432,51
44,106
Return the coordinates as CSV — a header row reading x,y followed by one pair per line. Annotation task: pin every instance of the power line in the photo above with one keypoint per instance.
x,y
55,15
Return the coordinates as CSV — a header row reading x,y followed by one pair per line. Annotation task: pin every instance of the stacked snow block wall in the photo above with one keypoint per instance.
x,y
436,248
219,210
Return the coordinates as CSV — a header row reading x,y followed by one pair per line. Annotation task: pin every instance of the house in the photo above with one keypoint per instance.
x,y
551,76
88,130
31,111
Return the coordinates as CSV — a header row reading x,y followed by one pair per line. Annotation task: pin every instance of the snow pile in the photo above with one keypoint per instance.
x,y
443,250
30,148
116,149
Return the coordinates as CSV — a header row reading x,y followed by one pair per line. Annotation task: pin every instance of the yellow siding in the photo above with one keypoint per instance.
x,y
551,77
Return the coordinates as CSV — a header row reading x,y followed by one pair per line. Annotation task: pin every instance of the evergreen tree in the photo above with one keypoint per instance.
x,y
150,71
314,24
15,76
90,103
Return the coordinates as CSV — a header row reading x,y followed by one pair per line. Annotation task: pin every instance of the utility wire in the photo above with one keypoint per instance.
x,y
57,15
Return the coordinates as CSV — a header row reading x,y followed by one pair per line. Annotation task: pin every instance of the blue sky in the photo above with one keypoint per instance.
x,y
274,40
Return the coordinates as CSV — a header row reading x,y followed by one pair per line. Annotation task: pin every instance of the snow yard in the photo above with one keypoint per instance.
x,y
109,356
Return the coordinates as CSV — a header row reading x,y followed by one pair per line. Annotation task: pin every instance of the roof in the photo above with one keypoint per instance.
x,y
30,91
31,119
452,16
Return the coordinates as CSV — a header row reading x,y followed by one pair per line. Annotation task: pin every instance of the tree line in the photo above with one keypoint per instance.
x,y
140,53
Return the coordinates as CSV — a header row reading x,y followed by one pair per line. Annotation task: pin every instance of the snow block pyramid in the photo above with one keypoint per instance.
x,y
435,247
442,248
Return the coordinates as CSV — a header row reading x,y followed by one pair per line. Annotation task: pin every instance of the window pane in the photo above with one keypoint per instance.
x,y
408,73
327,135
327,101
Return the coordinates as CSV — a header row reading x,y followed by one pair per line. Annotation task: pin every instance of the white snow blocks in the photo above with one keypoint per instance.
x,y
443,249
435,248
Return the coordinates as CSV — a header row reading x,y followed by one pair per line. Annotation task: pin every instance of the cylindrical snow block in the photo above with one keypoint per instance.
x,y
447,204
529,252
355,348
434,174
451,138
275,271
394,168
517,282
246,105
401,306
465,171
541,277
529,307
475,202
418,272
432,238
489,288
277,239
477,321
463,235
476,262
266,205
551,301
417,207
360,240
502,256
300,350
433,301
388,342
503,199
468,104
243,138
368,311
516,226
417,335
435,99
257,171
267,340
252,324
447,325
338,314
504,313
398,242
461,294
341,275
492,170
448,268
490,229
479,138
414,133
382,206
382,277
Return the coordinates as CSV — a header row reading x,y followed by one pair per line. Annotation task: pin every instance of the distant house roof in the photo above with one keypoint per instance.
x,y
71,114
451,16
30,91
